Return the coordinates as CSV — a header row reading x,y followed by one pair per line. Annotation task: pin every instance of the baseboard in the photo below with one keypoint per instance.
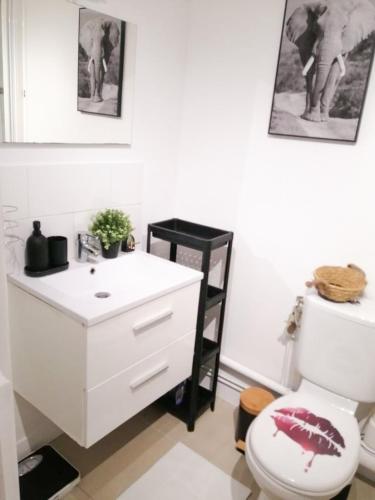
x,y
27,444
23,448
231,383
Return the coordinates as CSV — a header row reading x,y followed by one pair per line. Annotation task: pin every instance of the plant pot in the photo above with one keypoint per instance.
x,y
112,251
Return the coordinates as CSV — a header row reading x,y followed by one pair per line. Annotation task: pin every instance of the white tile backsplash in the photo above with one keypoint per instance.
x,y
92,187
65,198
82,220
127,184
51,189
14,190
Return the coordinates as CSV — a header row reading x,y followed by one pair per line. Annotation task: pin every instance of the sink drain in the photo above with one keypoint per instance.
x,y
102,295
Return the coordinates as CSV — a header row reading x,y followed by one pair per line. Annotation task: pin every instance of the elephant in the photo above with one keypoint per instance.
x,y
98,37
325,32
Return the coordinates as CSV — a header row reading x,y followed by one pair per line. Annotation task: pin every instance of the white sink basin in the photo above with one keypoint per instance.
x,y
95,292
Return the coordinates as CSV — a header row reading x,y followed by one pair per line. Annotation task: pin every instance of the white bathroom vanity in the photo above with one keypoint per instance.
x,y
94,345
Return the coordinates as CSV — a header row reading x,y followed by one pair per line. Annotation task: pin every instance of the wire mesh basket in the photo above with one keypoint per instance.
x,y
340,284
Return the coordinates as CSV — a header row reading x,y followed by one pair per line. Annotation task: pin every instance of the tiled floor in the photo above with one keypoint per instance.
x,y
113,464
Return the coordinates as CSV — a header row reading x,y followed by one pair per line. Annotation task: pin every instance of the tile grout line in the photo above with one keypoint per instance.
x,y
59,214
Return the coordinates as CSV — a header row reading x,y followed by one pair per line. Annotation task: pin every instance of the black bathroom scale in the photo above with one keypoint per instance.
x,y
46,475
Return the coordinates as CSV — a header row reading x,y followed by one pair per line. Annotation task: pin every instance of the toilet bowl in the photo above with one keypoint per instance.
x,y
303,446
306,445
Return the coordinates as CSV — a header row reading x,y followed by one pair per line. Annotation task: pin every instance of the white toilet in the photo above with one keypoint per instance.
x,y
306,445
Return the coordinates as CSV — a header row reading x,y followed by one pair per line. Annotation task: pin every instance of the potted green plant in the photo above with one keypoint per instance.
x,y
111,227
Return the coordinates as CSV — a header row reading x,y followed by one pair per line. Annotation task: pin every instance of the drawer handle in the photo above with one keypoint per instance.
x,y
148,375
147,323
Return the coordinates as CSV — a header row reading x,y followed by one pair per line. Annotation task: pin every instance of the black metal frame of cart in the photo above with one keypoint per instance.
x,y
204,239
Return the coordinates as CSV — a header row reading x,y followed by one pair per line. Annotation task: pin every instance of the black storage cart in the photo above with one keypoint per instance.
x,y
205,239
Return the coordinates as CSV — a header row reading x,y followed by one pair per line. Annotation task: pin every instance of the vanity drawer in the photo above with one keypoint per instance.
x,y
116,344
118,399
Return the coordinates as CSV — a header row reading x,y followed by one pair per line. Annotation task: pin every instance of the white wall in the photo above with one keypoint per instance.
x,y
293,204
2,87
8,461
44,180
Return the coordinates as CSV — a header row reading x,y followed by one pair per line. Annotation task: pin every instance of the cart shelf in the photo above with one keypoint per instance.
x,y
205,239
181,411
214,296
190,234
209,349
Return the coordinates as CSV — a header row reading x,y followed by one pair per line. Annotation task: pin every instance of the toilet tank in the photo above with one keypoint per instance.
x,y
336,346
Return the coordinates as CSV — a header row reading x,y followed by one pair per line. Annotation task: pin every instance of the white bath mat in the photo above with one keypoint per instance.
x,y
182,474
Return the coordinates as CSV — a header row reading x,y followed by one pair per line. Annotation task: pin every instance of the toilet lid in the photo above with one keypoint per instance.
x,y
305,443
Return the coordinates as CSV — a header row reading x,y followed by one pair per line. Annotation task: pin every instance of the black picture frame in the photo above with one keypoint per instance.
x,y
289,101
111,65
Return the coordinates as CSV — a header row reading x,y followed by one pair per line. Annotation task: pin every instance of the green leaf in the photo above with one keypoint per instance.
x,y
111,226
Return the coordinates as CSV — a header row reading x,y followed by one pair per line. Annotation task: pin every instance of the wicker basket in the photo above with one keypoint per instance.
x,y
340,284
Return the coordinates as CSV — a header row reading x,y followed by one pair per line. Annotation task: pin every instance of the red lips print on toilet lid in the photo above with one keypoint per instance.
x,y
305,443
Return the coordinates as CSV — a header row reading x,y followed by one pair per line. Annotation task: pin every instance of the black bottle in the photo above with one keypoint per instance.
x,y
36,250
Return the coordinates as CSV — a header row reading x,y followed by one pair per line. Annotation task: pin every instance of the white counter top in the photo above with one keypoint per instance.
x,y
131,280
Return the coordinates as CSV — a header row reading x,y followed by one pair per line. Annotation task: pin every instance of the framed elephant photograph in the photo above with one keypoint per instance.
x,y
101,51
325,59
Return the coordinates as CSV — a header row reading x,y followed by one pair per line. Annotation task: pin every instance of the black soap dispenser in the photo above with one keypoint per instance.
x,y
36,250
